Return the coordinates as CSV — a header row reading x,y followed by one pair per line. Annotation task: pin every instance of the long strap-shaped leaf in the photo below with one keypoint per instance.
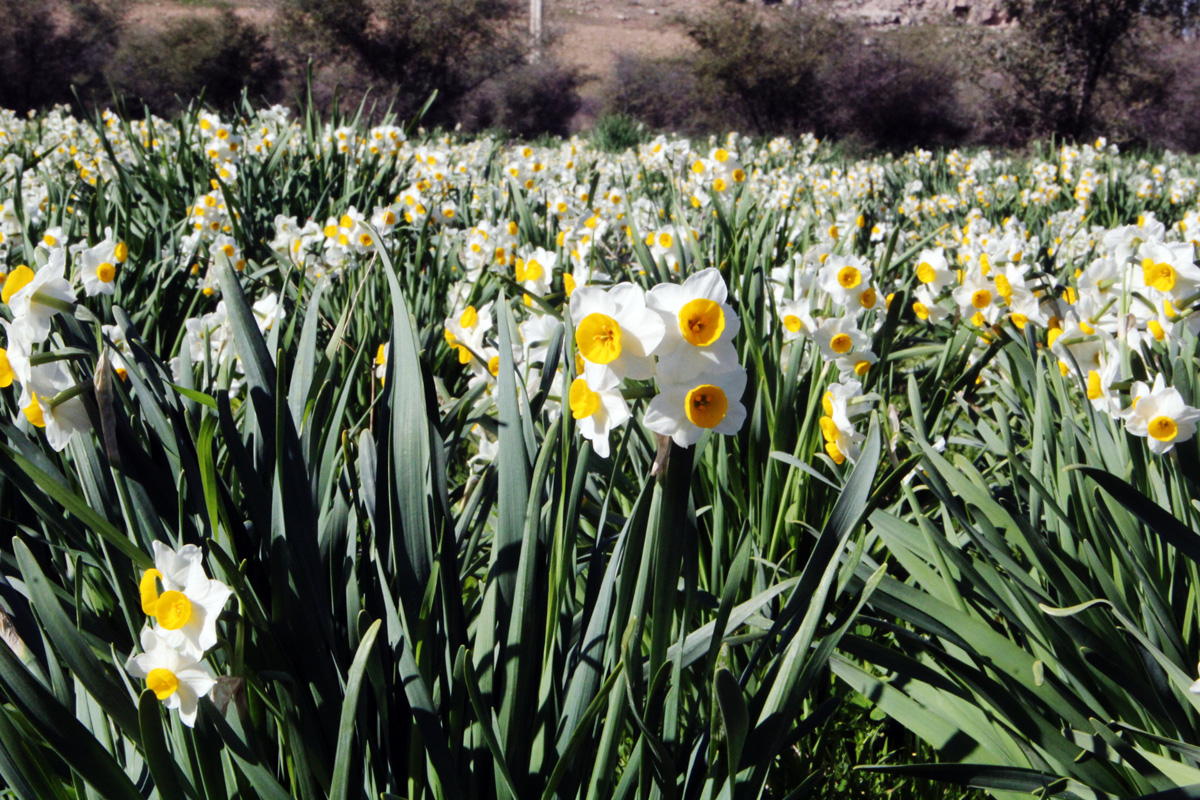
x,y
74,743
342,763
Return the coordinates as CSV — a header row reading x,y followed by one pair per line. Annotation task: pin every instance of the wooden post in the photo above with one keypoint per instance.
x,y
535,30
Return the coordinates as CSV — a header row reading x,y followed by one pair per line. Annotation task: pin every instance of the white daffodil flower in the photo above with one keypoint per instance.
x,y
933,271
186,610
178,679
98,268
615,333
34,298
1159,414
844,279
925,305
597,413
1099,384
684,411
839,337
841,439
1168,268
796,316
58,417
976,298
699,326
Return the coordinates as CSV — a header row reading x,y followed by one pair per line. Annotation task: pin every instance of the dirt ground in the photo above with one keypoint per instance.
x,y
588,34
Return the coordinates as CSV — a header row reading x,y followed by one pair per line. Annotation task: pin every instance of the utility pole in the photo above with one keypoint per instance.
x,y
535,30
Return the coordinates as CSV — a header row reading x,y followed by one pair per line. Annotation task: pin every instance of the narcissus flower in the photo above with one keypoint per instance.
x,y
839,337
186,610
99,268
685,410
47,402
597,413
1159,414
844,279
178,679
615,333
933,271
699,326
35,297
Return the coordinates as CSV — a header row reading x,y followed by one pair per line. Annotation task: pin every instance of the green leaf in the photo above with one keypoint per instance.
x,y
74,743
67,640
342,761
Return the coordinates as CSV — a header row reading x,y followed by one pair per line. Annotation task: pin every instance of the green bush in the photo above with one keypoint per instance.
x,y
47,47
662,93
529,100
219,55
406,49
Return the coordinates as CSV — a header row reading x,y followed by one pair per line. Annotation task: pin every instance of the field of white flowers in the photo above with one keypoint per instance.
x,y
350,461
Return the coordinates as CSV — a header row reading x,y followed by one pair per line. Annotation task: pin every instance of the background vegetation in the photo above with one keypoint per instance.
x,y
1125,69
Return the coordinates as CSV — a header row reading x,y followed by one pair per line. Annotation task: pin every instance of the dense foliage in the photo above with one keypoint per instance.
x,y
337,462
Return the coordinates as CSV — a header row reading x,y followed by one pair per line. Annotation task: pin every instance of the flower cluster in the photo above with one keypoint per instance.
x,y
184,604
679,335
50,397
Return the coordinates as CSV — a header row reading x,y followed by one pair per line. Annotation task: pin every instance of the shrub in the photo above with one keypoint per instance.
x,y
618,132
408,48
46,47
527,101
662,93
218,55
791,70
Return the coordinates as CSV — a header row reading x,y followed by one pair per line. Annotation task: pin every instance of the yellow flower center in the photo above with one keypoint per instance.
x,y
1153,325
868,298
583,400
921,310
121,252
1159,275
1094,390
841,343
148,591
706,405
849,277
862,368
665,240
981,298
494,365
365,239
469,318
162,682
33,412
599,338
569,283
381,355
173,610
106,272
1003,287
17,280
829,429
831,449
533,270
792,323
6,371
1163,429
701,322
1020,320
